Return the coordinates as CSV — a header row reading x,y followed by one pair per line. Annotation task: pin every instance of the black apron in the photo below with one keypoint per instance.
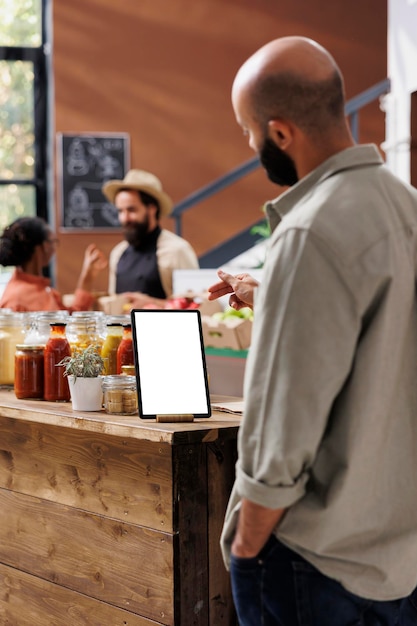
x,y
137,269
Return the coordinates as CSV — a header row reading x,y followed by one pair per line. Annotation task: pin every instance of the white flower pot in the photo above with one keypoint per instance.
x,y
86,393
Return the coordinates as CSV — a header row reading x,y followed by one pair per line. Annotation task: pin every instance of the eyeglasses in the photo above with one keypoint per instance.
x,y
54,242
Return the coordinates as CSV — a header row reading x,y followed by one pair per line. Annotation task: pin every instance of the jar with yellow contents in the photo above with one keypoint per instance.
x,y
82,331
111,343
12,333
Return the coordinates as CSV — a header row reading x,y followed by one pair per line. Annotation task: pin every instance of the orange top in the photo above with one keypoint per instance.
x,y
25,292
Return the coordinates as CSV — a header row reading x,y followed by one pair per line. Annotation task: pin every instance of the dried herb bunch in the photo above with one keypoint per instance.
x,y
87,363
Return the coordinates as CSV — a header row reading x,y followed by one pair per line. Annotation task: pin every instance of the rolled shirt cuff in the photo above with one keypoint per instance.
x,y
271,497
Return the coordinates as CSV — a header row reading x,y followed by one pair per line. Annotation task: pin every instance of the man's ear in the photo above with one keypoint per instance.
x,y
281,132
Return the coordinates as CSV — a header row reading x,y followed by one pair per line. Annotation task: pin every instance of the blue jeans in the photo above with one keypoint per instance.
x,y
279,588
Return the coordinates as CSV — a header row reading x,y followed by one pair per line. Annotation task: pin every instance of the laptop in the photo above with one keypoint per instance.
x,y
171,372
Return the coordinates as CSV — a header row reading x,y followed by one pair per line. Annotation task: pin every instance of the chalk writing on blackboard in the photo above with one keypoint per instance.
x,y
86,162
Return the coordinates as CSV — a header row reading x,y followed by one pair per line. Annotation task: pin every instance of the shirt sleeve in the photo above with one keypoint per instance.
x,y
173,253
304,336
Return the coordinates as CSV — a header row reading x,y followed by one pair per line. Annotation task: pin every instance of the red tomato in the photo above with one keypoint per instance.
x,y
177,303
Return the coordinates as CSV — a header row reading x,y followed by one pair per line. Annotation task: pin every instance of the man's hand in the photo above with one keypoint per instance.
x,y
241,286
254,528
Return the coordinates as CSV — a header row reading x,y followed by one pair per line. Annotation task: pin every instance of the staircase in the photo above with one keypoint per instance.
x,y
246,239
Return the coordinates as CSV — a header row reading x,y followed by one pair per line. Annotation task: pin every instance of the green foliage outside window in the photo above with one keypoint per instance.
x,y
20,23
20,26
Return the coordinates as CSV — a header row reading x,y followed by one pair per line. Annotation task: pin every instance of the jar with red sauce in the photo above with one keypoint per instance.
x,y
57,347
29,368
125,350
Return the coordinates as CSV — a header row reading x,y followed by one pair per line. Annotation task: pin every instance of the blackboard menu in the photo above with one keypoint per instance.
x,y
85,163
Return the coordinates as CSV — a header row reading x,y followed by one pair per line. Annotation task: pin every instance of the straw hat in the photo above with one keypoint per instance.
x,y
139,180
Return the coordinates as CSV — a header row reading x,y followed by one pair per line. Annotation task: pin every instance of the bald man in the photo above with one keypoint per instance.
x,y
321,527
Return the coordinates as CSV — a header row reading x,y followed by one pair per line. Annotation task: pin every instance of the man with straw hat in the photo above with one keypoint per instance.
x,y
141,266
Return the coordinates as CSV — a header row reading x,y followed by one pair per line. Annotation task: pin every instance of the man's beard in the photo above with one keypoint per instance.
x,y
137,233
280,168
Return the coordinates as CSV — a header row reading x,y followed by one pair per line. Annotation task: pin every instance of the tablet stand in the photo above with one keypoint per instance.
x,y
175,418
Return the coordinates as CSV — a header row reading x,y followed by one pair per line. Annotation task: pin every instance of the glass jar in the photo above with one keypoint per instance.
x,y
100,319
125,350
38,327
29,372
120,395
12,332
110,346
81,332
57,347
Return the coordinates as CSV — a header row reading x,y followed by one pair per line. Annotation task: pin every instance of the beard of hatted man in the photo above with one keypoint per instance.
x,y
280,167
136,234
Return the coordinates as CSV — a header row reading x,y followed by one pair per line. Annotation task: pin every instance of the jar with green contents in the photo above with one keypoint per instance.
x,y
109,349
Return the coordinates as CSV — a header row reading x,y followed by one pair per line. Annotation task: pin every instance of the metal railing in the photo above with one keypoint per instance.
x,y
245,239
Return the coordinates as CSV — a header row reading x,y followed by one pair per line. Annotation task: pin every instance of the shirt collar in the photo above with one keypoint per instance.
x,y
31,278
356,156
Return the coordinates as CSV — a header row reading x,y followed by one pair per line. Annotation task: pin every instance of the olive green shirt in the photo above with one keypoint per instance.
x,y
330,421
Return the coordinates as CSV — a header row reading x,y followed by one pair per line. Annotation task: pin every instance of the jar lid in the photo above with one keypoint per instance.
x,y
119,381
11,320
57,324
29,346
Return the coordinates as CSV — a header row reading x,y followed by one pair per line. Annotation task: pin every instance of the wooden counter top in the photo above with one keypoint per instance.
x,y
61,414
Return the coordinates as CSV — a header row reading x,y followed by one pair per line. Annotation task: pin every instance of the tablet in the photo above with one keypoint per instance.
x,y
170,364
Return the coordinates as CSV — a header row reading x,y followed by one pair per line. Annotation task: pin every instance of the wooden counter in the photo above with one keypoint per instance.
x,y
112,521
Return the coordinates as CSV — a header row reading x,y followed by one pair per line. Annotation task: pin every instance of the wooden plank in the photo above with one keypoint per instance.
x,y
126,479
221,460
124,565
190,520
130,426
29,601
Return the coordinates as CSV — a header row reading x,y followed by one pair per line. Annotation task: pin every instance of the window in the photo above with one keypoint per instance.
x,y
24,141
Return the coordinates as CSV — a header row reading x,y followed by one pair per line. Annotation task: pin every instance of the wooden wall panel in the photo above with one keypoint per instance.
x,y
29,601
89,554
162,71
127,479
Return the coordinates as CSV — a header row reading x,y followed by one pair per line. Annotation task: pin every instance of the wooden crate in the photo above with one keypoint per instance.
x,y
233,333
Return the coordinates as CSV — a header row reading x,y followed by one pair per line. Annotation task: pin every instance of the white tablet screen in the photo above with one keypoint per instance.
x,y
170,363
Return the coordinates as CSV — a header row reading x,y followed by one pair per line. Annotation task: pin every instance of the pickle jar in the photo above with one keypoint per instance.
x,y
81,332
120,394
29,372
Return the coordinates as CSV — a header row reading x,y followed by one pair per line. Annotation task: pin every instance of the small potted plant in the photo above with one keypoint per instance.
x,y
83,369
